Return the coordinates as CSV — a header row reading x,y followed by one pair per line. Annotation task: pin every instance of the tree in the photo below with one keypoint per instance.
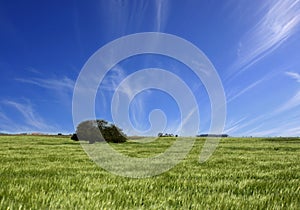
x,y
166,135
99,131
74,137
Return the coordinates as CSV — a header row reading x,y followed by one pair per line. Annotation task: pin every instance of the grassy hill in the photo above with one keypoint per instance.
x,y
41,172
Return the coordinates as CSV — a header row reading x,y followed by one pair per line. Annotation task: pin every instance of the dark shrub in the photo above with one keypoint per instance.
x,y
99,130
74,137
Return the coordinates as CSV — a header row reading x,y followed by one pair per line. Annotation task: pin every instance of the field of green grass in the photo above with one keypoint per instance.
x,y
243,173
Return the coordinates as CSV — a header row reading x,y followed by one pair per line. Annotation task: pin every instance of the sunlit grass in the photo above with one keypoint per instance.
x,y
243,173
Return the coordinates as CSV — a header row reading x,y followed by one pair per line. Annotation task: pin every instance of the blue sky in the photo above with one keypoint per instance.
x,y
254,46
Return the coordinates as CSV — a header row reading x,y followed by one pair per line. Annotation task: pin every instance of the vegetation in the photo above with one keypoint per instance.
x,y
99,130
55,173
166,135
74,137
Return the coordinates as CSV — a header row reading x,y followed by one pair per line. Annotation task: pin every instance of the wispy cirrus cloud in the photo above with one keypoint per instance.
x,y
287,127
126,14
7,125
244,125
136,89
284,129
293,75
234,125
31,121
294,101
265,125
246,89
274,28
161,13
65,83
59,88
113,78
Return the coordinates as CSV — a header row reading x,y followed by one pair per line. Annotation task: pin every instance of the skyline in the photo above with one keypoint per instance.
x,y
253,46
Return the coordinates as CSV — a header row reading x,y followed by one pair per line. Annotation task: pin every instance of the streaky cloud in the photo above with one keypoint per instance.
x,y
270,32
161,14
283,130
129,16
32,120
246,89
55,84
233,126
293,102
293,75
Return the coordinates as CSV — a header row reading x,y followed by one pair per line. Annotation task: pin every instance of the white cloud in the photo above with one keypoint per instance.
x,y
122,14
62,88
280,130
7,125
161,13
64,84
293,102
269,125
274,28
239,127
246,89
293,75
233,126
3,117
184,124
32,120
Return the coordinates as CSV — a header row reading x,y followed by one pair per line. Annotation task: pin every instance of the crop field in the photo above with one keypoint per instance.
x,y
243,173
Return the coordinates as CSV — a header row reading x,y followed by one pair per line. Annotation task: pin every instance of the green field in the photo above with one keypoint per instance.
x,y
244,173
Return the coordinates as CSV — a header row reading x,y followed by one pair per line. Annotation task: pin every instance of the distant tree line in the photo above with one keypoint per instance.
x,y
213,135
166,135
98,131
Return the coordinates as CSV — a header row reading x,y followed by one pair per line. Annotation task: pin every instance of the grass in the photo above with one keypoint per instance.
x,y
243,173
